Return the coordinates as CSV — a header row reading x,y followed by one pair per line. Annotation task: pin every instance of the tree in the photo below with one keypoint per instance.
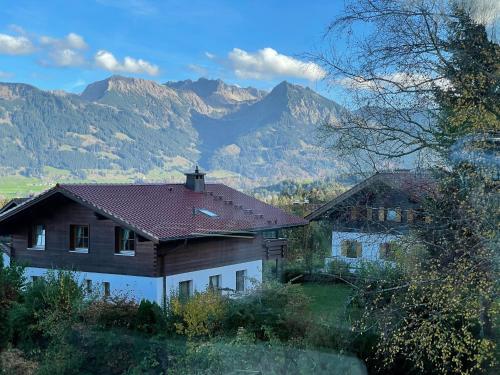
x,y
426,78
404,58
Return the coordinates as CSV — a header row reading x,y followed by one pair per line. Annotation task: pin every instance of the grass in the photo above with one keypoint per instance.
x,y
329,302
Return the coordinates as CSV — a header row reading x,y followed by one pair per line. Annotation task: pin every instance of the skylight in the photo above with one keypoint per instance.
x,y
207,212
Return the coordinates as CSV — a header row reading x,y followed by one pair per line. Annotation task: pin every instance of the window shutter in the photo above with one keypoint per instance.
x,y
343,248
410,215
354,213
72,237
383,251
381,214
117,239
30,237
359,249
398,215
369,213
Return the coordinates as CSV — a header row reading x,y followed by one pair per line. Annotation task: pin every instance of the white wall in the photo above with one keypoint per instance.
x,y
134,287
151,288
6,260
200,278
370,243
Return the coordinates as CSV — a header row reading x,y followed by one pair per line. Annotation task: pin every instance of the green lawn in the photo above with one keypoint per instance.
x,y
329,302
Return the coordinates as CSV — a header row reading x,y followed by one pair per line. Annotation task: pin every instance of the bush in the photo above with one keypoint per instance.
x,y
11,282
113,312
339,268
271,308
201,315
48,307
149,318
13,362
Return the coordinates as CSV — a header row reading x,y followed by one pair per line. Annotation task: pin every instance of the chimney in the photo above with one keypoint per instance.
x,y
195,181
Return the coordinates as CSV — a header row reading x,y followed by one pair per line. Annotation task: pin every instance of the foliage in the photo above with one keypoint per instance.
x,y
11,282
13,362
242,354
339,268
271,307
201,314
113,312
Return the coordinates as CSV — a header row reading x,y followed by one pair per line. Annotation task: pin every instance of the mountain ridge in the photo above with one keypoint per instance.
x,y
144,130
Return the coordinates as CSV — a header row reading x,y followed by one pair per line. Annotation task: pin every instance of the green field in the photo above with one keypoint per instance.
x,y
329,302
20,186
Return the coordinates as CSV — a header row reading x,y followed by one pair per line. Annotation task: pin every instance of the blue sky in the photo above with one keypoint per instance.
x,y
55,44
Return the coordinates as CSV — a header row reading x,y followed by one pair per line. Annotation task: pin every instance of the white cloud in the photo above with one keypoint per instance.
x,y
15,45
267,63
5,75
198,69
107,61
70,41
396,80
209,55
66,57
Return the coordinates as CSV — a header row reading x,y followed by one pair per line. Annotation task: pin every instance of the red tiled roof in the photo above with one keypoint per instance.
x,y
168,211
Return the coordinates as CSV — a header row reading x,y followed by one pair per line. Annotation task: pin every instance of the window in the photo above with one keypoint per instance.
x,y
387,251
354,213
107,288
369,213
35,279
124,241
37,237
240,280
381,214
391,215
270,234
215,283
410,214
88,286
207,212
185,288
394,214
79,238
351,249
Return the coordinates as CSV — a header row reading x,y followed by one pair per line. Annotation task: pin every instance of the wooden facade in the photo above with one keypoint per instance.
x,y
58,214
376,209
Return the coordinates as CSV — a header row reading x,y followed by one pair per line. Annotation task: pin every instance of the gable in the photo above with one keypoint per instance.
x,y
48,204
395,189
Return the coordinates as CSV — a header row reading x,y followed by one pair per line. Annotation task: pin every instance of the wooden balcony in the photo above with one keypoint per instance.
x,y
275,248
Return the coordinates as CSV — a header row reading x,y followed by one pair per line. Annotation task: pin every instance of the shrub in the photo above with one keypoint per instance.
x,y
48,307
272,307
339,268
149,318
11,282
112,312
201,315
13,362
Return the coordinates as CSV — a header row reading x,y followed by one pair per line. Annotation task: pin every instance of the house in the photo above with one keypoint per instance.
x,y
148,240
369,218
12,203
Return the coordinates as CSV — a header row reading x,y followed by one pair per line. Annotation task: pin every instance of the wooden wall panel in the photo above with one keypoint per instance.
x,y
199,254
101,256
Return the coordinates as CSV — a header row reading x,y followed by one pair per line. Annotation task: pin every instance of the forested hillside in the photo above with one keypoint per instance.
x,y
134,129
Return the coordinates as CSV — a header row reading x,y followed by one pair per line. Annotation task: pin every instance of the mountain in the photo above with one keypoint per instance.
x,y
127,128
222,97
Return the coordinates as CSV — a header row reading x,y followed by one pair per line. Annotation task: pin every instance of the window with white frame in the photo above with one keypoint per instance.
x,y
37,237
215,283
241,280
124,241
185,289
79,238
